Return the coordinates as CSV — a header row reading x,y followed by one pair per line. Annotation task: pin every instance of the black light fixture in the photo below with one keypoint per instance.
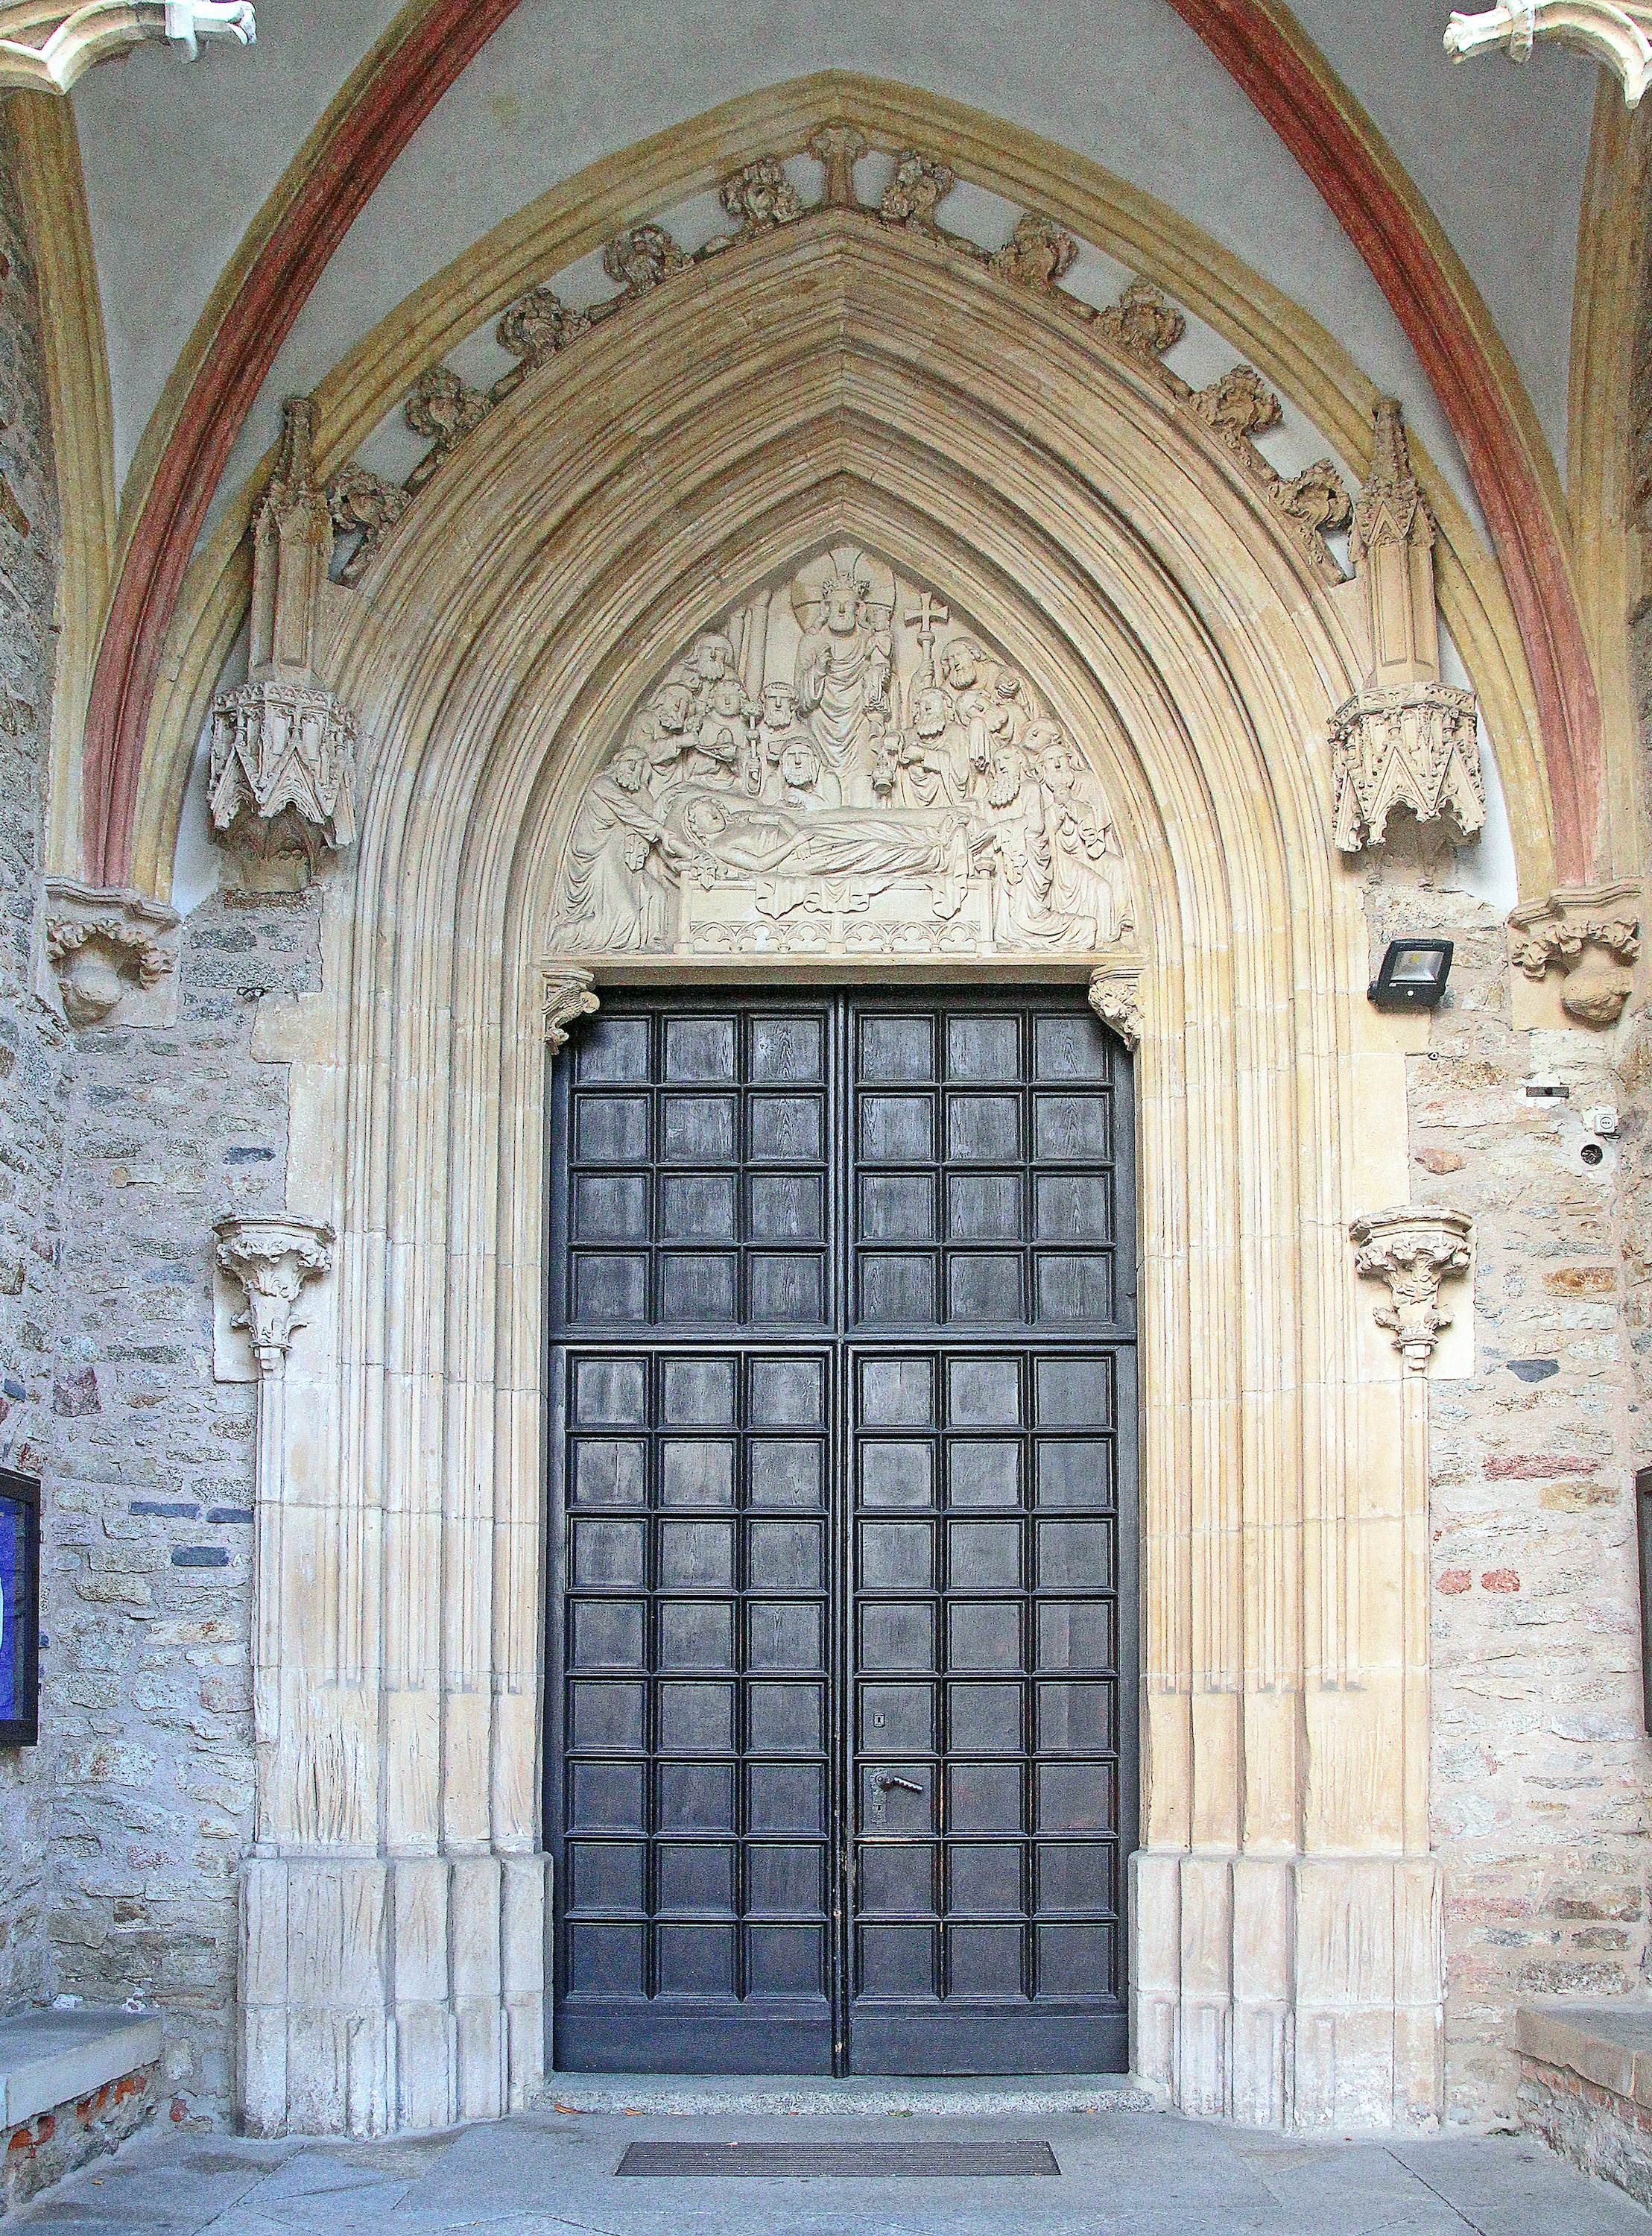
x,y
1414,975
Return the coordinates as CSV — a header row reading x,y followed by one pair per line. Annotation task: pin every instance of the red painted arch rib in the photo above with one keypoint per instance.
x,y
394,101
387,111
1273,72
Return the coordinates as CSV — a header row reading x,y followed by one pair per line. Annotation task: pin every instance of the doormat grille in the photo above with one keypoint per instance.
x,y
952,2159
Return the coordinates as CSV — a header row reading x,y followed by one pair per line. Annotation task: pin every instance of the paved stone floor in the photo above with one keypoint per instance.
x,y
1122,2174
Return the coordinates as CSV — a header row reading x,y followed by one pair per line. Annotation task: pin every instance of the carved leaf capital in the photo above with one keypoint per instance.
x,y
1413,1253
1589,933
272,1258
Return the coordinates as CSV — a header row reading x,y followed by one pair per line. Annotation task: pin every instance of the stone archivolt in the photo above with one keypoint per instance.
x,y
282,781
1406,739
1098,538
1591,934
844,753
1142,327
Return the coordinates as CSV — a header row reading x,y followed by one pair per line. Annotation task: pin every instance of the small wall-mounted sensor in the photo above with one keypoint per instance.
x,y
1412,975
1601,1119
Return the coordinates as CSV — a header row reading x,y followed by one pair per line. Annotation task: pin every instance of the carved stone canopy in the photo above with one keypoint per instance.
x,y
1413,1252
844,765
282,783
45,49
1406,739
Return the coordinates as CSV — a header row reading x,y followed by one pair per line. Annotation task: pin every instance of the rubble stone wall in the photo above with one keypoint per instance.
x,y
34,1051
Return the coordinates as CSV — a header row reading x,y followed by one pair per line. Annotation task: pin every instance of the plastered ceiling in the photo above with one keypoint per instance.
x,y
176,169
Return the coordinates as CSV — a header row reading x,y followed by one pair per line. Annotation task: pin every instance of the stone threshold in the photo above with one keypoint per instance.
x,y
760,2094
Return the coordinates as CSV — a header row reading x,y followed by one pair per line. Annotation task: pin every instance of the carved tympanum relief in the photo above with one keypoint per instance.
x,y
844,765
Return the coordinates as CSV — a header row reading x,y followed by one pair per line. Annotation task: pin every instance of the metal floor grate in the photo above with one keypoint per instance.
x,y
950,2158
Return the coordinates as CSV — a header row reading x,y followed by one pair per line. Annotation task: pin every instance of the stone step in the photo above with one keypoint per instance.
x,y
765,2094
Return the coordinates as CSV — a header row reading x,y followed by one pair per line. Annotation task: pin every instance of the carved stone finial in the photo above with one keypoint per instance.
x,y
1413,1252
443,410
540,325
1116,997
838,147
1589,933
1406,739
1316,499
106,950
638,259
1239,406
918,184
570,994
46,49
366,506
272,1258
1142,321
1037,254
761,195
1616,32
282,781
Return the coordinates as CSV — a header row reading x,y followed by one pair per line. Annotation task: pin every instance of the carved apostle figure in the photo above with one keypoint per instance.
x,y
621,863
1087,865
804,780
662,730
1016,847
844,660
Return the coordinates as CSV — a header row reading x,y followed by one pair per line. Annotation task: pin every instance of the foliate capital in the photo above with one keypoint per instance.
x,y
272,1258
1413,1252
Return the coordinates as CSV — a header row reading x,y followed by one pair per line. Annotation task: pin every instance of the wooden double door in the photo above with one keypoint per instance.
x,y
840,1746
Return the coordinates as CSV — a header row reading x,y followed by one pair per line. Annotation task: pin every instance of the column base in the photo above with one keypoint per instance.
x,y
1290,1991
382,1996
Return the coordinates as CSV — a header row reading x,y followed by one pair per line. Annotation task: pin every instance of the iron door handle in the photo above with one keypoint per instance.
x,y
886,1782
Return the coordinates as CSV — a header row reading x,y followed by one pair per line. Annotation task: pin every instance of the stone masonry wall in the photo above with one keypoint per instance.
x,y
150,1570
1542,1770
34,1052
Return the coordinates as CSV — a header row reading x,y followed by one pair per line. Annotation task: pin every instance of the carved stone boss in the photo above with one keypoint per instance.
x,y
272,1259
1591,934
1405,739
108,953
1616,32
282,784
1413,1252
46,49
843,765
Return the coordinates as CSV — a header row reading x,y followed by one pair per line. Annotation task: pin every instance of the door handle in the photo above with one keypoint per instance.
x,y
886,1782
